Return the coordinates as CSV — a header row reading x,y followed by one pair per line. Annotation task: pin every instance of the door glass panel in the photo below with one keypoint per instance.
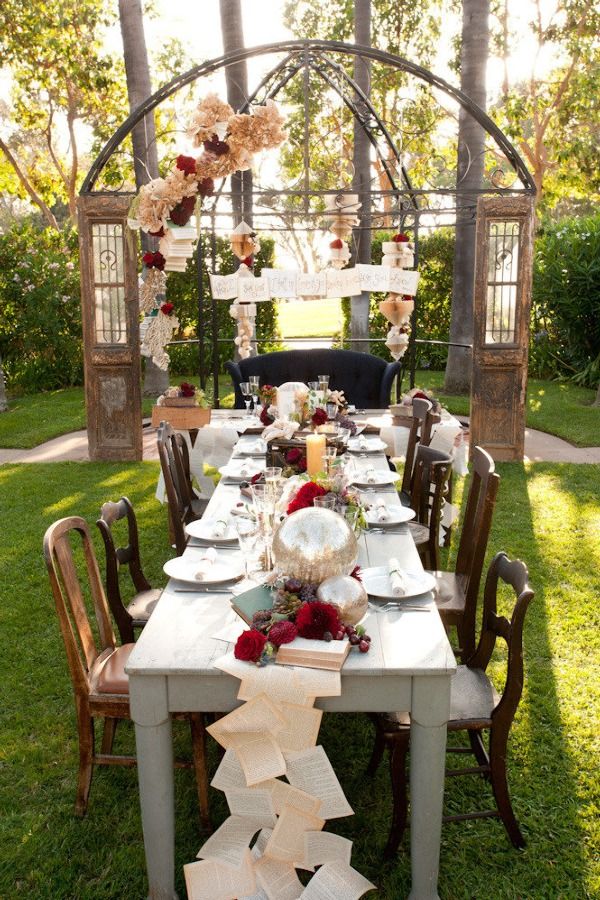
x,y
109,283
502,282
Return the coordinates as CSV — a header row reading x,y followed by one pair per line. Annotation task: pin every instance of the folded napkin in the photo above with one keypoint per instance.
x,y
206,561
219,528
247,469
371,476
382,513
397,578
362,442
258,447
280,428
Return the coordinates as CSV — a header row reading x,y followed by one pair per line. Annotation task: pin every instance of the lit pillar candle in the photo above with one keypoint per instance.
x,y
315,448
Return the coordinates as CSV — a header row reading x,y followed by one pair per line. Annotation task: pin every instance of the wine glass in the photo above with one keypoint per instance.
x,y
331,411
254,388
326,502
328,457
249,537
246,390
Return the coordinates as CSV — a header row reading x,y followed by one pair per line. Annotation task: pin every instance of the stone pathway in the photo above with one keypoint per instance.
x,y
539,447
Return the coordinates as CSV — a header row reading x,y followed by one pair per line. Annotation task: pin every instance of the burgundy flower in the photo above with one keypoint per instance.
x,y
167,308
302,465
293,456
356,573
187,164
250,645
206,187
282,633
257,479
186,389
315,618
401,238
182,213
305,496
337,244
407,297
216,146
319,417
160,233
265,418
154,260
248,262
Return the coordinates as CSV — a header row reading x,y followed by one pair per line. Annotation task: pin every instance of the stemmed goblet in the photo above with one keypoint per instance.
x,y
246,390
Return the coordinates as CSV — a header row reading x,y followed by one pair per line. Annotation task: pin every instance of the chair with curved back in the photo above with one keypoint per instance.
x,y
456,592
137,612
420,432
183,504
96,663
475,707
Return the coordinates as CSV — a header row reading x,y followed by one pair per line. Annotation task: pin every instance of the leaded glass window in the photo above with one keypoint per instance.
x,y
502,282
109,283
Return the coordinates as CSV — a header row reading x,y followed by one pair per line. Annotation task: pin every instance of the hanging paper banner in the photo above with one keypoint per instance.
x,y
373,278
343,283
403,281
282,282
251,290
311,284
224,287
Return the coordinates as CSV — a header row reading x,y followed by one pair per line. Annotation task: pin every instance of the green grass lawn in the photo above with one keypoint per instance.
x,y
561,409
301,319
547,514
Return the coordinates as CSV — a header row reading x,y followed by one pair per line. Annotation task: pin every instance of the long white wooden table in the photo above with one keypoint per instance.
x,y
408,667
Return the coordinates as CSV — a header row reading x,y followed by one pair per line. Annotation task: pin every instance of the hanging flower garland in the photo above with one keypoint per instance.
x,y
165,205
399,253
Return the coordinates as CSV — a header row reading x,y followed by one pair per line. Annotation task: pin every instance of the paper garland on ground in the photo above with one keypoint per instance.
x,y
274,734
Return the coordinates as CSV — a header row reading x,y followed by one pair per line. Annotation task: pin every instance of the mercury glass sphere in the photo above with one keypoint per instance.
x,y
313,544
348,594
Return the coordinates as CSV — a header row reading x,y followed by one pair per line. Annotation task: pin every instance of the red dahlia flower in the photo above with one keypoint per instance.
x,y
250,645
216,146
206,187
282,633
187,389
167,308
293,456
401,238
305,496
315,618
154,260
319,417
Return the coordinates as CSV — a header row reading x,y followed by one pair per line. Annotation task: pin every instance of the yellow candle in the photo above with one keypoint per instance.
x,y
315,448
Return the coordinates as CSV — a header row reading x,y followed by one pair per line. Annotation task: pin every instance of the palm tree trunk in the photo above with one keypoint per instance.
x,y
139,88
359,323
469,175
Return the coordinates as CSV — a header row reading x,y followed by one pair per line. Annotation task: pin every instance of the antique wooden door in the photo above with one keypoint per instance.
x,y
110,316
501,304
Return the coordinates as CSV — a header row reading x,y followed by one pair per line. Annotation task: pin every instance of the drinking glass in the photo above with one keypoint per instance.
x,y
254,388
323,385
350,514
331,410
246,390
327,502
249,537
344,435
313,386
328,457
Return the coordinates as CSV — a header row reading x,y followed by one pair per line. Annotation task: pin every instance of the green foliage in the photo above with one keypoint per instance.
x,y
436,255
566,301
40,312
182,290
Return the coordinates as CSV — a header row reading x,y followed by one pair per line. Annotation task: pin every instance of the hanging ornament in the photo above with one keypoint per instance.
x,y
158,334
397,340
397,308
341,213
399,253
153,283
245,316
244,242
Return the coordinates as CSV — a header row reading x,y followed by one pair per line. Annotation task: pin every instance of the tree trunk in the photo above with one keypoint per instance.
x,y
236,78
139,88
469,175
3,397
359,323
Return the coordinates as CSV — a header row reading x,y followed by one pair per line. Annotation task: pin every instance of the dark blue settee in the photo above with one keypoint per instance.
x,y
365,380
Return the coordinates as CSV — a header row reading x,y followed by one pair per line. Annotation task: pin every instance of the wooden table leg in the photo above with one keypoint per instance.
x,y
154,748
429,715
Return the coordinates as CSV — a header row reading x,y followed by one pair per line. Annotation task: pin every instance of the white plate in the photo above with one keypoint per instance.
x,y
232,470
396,515
247,448
203,530
381,477
224,568
374,445
376,581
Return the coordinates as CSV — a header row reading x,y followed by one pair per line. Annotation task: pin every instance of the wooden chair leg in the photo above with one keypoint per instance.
x,y
378,751
199,750
500,788
86,765
398,751
108,735
479,751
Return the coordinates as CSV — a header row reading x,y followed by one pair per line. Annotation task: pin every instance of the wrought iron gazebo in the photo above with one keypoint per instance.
x,y
502,210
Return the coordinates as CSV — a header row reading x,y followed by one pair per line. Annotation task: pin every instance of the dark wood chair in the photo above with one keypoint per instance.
x,y
432,473
96,664
475,707
420,432
137,612
183,504
456,592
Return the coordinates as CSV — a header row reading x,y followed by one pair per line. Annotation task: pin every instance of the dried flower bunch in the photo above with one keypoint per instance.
x,y
228,141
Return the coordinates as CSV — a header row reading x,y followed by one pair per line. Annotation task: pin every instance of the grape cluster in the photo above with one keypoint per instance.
x,y
356,636
346,422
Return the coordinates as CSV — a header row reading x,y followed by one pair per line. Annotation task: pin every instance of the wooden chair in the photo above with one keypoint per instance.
x,y
137,612
420,432
456,592
97,665
475,707
184,506
429,489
